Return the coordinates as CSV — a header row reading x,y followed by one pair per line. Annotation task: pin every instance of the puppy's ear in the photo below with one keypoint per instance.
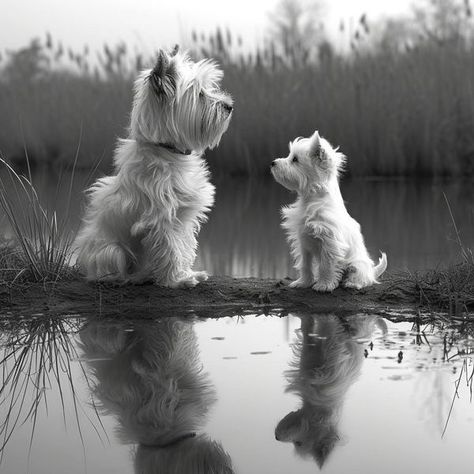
x,y
324,445
163,75
175,50
314,144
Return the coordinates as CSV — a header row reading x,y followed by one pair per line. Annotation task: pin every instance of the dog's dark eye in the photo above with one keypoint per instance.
x,y
298,443
295,159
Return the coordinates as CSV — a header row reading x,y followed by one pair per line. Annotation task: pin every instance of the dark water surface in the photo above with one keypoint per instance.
x,y
358,394
408,220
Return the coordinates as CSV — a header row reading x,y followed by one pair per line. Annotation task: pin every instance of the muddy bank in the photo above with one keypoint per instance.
x,y
219,296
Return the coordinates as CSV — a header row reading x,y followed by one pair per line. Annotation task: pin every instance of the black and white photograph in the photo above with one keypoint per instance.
x,y
236,237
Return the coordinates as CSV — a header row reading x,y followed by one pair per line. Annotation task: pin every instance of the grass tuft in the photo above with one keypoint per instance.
x,y
40,248
450,289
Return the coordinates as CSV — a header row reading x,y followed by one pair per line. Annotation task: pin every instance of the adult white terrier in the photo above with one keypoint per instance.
x,y
141,223
326,242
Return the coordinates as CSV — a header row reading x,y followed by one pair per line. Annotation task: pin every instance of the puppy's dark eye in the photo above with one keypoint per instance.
x,y
295,159
298,443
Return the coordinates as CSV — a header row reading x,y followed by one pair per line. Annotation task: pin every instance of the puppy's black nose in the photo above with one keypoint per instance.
x,y
228,108
273,163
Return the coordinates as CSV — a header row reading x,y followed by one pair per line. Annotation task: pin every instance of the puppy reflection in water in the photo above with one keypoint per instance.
x,y
148,375
327,362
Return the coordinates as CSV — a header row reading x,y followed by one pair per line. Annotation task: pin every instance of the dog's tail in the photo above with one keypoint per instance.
x,y
381,266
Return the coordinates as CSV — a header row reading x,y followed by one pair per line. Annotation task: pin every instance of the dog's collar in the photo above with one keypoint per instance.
x,y
173,442
167,146
174,149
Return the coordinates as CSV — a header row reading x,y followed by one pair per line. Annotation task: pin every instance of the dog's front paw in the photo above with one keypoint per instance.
x,y
300,283
200,276
325,286
189,280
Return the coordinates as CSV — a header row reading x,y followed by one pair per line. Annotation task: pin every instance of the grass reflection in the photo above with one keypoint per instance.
x,y
36,360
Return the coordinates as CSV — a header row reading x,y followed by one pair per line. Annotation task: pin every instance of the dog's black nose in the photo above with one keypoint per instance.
x,y
228,108
276,437
273,163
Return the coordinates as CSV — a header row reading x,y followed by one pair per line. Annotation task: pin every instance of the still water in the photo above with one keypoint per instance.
x,y
408,220
298,394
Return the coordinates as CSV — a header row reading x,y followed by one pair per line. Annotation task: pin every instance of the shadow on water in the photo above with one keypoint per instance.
x,y
150,378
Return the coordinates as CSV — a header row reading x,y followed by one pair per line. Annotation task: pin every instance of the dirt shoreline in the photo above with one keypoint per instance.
x,y
219,296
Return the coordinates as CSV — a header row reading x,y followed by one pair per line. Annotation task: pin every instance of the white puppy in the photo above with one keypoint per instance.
x,y
326,242
141,223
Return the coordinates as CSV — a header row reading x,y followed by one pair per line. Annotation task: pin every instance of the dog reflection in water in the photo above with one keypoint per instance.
x,y
149,376
327,361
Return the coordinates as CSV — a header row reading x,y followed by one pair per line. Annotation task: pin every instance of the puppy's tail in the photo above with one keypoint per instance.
x,y
381,266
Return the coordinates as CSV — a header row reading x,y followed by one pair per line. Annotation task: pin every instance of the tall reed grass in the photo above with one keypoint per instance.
x,y
40,248
394,111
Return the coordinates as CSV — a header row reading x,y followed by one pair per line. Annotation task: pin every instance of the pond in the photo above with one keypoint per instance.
x,y
409,220
251,394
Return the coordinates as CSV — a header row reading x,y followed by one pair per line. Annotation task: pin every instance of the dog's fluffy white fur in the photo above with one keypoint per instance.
x,y
141,223
326,242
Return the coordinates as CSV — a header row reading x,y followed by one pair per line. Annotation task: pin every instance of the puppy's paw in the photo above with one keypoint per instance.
x,y
357,280
357,285
300,283
325,286
188,282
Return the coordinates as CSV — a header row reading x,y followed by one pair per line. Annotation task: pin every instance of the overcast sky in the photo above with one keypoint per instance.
x,y
148,24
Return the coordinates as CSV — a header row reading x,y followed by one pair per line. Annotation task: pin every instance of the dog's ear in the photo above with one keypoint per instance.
x,y
314,144
163,75
289,427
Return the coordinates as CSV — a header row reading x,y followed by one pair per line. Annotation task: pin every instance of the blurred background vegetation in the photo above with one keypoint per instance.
x,y
399,99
